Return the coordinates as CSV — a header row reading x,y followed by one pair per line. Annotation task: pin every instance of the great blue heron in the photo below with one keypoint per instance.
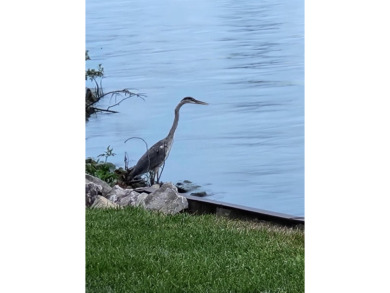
x,y
158,153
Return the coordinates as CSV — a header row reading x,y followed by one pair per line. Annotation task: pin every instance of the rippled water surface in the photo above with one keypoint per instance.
x,y
245,58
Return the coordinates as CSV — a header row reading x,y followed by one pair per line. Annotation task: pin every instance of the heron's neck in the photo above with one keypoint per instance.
x,y
176,121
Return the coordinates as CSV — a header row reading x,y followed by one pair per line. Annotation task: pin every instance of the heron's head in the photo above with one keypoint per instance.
x,y
190,100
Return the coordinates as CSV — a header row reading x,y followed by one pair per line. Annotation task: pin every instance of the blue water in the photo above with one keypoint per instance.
x,y
245,58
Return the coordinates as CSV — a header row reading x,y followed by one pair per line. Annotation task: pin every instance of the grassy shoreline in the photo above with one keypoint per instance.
x,y
133,250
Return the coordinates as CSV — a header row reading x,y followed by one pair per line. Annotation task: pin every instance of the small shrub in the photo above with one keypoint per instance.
x,y
103,170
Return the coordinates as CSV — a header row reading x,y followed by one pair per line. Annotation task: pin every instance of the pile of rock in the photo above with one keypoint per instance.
x,y
165,198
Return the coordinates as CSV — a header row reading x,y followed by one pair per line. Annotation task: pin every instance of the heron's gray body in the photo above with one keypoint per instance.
x,y
153,158
159,152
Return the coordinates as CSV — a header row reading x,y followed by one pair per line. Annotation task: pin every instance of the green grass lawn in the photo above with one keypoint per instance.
x,y
133,250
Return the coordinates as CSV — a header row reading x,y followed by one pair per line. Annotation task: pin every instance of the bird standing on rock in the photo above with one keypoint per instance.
x,y
153,159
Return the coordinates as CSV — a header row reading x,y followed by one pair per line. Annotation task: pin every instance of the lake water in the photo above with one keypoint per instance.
x,y
245,58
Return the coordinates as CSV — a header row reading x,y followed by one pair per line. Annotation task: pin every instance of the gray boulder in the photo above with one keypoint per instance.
x,y
118,194
92,191
166,199
106,188
103,203
140,201
129,199
148,189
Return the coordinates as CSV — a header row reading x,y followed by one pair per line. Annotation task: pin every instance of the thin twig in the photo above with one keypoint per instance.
x,y
147,148
118,102
103,110
146,144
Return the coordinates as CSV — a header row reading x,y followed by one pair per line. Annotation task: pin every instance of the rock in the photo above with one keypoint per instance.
x,y
186,186
106,188
156,186
92,190
179,189
103,203
140,201
199,194
130,199
147,189
166,200
117,193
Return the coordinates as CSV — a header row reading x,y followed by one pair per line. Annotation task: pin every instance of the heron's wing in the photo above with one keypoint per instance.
x,y
152,159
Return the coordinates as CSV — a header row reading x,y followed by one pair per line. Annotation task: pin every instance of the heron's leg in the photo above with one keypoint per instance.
x,y
161,170
151,177
157,175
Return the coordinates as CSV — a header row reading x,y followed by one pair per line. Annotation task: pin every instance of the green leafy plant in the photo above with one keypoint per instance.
x,y
103,170
108,153
92,74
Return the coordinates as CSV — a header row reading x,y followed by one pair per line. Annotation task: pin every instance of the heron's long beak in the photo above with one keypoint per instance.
x,y
201,103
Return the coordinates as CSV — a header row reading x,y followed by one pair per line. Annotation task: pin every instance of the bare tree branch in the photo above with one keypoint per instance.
x,y
104,110
98,95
